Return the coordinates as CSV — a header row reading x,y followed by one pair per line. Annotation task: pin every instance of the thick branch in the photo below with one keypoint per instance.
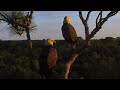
x,y
72,60
85,23
68,65
28,18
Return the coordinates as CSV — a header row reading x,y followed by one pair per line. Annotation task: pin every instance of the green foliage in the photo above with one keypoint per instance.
x,y
100,61
15,21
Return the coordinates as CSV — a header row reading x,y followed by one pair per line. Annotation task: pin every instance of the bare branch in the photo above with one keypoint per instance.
x,y
85,23
30,16
2,20
81,17
112,13
99,15
88,15
99,26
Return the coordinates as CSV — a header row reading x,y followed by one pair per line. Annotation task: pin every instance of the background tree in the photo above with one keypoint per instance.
x,y
100,20
19,22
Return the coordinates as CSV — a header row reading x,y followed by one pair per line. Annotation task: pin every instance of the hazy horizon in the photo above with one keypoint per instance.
x,y
49,25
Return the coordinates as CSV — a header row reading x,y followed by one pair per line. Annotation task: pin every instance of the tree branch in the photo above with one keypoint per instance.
x,y
18,32
72,60
112,13
88,15
99,26
10,21
81,17
85,24
99,15
3,20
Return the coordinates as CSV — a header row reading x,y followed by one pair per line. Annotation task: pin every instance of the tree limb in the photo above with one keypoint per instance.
x,y
2,20
99,15
81,17
85,24
72,60
99,26
88,15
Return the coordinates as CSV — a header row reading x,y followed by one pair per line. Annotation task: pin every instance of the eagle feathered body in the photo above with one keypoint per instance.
x,y
69,33
47,60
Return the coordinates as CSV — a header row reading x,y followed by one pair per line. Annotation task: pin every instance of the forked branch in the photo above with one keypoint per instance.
x,y
101,22
88,15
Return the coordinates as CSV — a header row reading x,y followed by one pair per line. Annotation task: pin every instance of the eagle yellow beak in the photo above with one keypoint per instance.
x,y
54,41
51,41
66,20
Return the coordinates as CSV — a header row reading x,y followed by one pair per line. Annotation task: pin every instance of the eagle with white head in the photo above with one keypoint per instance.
x,y
48,58
69,33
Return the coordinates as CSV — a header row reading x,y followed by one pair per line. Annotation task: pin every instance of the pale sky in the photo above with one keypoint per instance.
x,y
49,25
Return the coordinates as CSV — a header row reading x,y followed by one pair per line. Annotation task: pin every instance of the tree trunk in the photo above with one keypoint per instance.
x,y
87,42
29,47
28,38
87,34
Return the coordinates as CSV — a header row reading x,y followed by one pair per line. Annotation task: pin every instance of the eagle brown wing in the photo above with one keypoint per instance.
x,y
47,60
65,32
52,57
73,33
69,33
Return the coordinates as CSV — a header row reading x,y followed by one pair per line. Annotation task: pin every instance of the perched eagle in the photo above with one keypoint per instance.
x,y
69,33
48,58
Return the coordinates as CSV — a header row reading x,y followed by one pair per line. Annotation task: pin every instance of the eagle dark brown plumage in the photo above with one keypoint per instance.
x,y
69,33
47,60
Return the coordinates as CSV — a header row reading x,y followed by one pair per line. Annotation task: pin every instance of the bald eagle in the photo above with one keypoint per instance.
x,y
48,58
69,33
